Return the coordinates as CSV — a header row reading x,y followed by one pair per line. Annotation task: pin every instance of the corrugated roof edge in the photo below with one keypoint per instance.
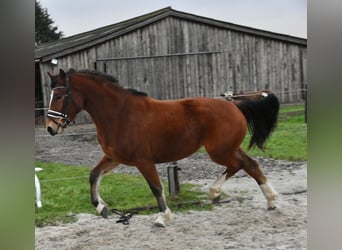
x,y
90,38
92,35
241,28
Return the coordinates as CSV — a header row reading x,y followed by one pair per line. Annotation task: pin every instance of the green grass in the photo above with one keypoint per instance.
x,y
288,141
63,197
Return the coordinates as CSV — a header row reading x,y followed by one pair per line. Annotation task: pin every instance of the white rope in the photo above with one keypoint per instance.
x,y
71,134
67,178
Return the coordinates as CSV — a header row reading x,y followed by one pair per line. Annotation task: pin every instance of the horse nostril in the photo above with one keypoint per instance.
x,y
50,130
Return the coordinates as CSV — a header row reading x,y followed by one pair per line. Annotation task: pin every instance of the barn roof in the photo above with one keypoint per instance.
x,y
88,39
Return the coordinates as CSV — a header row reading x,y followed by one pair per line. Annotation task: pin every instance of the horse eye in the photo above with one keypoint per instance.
x,y
58,97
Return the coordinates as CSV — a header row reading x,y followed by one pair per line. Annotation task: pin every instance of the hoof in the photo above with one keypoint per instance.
x,y
271,208
163,218
104,212
216,199
214,194
271,205
158,224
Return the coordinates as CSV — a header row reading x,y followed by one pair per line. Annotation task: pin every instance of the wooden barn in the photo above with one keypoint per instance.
x,y
171,54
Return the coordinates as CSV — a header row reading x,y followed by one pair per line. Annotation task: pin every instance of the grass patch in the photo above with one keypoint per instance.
x,y
64,195
288,141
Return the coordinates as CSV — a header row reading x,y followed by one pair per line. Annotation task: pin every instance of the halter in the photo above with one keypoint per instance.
x,y
55,114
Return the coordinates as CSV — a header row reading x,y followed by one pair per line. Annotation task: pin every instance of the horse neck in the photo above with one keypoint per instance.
x,y
99,98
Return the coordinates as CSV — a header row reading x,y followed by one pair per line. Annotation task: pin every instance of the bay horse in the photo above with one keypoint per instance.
x,y
137,130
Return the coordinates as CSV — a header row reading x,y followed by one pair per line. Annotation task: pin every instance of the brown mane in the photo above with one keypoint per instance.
x,y
100,76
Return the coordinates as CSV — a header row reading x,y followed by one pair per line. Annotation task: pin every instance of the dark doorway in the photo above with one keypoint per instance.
x,y
39,101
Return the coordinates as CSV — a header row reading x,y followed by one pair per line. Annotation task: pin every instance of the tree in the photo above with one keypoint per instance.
x,y
44,29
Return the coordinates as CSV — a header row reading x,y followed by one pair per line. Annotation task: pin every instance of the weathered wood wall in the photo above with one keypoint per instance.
x,y
175,58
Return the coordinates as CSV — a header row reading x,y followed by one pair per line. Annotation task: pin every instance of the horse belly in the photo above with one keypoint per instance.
x,y
175,146
172,154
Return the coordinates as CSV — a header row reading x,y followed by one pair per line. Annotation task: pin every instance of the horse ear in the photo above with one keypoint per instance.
x,y
50,75
62,75
53,79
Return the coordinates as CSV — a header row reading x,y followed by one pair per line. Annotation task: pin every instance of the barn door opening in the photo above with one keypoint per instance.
x,y
38,97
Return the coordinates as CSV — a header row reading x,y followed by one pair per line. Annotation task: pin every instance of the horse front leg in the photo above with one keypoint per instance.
x,y
148,170
96,174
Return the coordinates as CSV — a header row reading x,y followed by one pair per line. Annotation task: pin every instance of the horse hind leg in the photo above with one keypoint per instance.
x,y
235,162
148,170
215,187
253,169
221,155
96,174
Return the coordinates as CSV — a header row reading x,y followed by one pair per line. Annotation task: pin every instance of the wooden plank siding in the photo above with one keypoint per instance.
x,y
176,58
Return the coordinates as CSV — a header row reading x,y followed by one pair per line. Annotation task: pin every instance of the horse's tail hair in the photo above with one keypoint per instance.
x,y
262,117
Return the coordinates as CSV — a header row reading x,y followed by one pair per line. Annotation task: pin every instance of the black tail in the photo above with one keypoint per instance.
x,y
262,117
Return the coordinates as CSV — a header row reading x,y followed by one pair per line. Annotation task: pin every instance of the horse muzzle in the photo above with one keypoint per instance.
x,y
56,120
51,131
53,126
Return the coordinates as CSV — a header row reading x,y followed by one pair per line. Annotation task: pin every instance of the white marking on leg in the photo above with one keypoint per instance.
x,y
99,179
101,203
99,207
215,188
163,218
166,216
270,194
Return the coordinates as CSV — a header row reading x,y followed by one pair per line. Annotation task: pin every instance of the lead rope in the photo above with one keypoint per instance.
x,y
124,217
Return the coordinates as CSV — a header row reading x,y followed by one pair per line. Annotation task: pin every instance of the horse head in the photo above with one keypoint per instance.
x,y
64,103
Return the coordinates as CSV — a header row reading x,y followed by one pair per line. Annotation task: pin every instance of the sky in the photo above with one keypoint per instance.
x,y
281,16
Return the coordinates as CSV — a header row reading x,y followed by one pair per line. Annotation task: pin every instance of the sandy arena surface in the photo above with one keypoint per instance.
x,y
242,223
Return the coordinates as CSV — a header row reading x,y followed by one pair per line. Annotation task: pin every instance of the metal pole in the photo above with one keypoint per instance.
x,y
172,175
